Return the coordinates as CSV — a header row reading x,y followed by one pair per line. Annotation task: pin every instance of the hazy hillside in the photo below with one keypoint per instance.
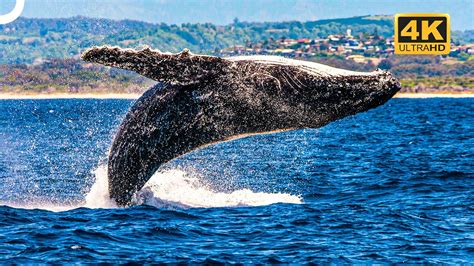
x,y
27,39
52,47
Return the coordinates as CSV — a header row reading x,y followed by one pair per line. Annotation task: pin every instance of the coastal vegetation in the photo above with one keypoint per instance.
x,y
43,55
26,40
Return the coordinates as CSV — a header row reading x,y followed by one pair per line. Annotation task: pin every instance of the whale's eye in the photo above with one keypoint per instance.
x,y
14,14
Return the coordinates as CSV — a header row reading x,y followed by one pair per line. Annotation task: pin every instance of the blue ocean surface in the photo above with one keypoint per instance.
x,y
395,184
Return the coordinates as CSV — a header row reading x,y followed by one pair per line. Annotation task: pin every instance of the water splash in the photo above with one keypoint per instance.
x,y
178,189
98,196
166,189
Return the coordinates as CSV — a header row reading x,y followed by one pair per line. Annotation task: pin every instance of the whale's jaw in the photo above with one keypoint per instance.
x,y
205,100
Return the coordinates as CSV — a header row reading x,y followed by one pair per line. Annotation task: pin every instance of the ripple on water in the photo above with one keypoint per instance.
x,y
394,184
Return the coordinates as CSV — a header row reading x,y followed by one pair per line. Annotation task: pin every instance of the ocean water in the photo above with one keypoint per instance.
x,y
394,184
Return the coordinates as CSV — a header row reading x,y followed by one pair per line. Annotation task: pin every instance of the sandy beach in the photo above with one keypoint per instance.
x,y
69,96
5,96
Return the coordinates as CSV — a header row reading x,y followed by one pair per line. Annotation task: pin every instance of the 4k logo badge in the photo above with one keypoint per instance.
x,y
422,34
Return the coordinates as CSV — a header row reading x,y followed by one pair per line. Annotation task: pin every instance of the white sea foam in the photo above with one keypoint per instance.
x,y
98,196
178,189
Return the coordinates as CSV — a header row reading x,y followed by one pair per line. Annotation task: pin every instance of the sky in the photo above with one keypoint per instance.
x,y
224,11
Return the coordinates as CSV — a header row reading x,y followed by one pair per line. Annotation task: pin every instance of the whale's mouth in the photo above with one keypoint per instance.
x,y
179,189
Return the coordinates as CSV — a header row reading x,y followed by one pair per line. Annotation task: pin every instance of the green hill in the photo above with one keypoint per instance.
x,y
25,40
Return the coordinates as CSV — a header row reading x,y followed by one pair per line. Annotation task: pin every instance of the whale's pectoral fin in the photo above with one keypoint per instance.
x,y
182,68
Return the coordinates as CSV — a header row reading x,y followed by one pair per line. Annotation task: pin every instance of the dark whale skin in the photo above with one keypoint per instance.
x,y
203,100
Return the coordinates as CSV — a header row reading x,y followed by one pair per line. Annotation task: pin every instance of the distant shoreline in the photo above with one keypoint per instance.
x,y
434,95
132,96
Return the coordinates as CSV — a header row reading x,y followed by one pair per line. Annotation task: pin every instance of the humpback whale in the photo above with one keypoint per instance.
x,y
200,100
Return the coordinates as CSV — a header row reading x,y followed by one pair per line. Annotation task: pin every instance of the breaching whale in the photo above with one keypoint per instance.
x,y
201,100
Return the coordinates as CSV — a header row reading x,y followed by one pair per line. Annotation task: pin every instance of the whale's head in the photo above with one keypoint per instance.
x,y
202,100
348,94
307,94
